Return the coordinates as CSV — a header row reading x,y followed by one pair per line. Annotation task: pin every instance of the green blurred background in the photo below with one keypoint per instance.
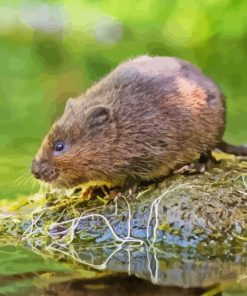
x,y
53,50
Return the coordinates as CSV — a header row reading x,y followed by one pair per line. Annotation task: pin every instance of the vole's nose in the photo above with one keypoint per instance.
x,y
35,169
44,171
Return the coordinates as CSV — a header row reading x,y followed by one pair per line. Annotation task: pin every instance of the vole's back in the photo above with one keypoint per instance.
x,y
166,113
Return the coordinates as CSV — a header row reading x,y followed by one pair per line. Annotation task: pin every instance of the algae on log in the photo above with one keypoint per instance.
x,y
194,224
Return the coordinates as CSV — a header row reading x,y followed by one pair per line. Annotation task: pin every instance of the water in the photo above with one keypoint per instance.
x,y
25,272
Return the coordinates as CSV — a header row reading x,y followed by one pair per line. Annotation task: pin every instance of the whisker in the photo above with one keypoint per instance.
x,y
27,180
19,180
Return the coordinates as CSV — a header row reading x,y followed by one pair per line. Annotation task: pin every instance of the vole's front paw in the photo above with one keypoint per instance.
x,y
186,169
200,166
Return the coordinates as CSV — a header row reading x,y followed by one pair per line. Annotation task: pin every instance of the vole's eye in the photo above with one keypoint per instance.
x,y
59,146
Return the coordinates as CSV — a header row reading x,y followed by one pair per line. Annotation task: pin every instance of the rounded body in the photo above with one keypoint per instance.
x,y
148,117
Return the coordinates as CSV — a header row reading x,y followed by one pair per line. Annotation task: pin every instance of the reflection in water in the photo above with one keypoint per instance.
x,y
120,285
163,268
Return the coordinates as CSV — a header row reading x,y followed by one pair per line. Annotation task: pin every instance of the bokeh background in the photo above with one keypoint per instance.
x,y
53,50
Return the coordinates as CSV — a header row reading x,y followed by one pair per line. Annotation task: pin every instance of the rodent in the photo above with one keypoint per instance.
x,y
146,118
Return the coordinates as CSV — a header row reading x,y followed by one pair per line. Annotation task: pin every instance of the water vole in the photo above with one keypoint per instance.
x,y
146,118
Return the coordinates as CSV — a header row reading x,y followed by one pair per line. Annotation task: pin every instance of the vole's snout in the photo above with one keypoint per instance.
x,y
43,171
35,169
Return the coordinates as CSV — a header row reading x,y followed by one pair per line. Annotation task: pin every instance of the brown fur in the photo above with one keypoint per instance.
x,y
146,118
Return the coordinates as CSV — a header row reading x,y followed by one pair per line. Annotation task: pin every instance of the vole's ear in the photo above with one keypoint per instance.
x,y
69,104
97,117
